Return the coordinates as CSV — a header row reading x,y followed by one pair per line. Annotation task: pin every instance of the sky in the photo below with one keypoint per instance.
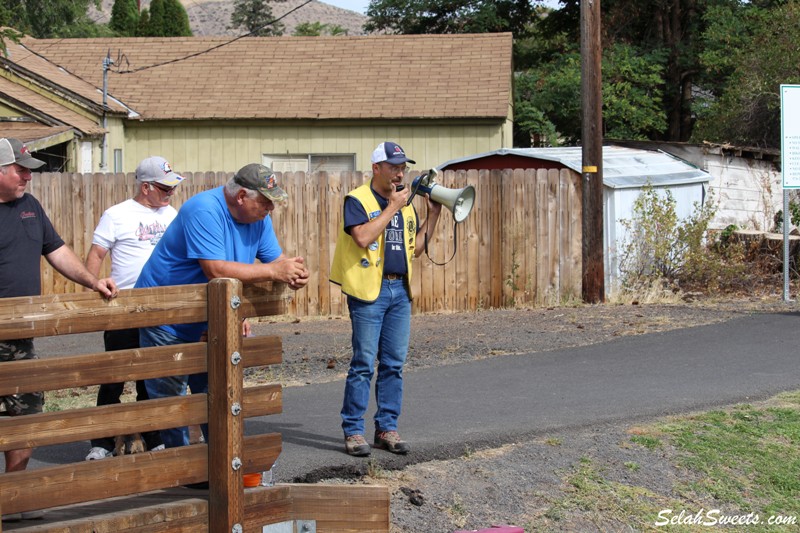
x,y
361,5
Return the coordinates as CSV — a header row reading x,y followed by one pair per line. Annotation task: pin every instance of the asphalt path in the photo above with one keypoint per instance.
x,y
504,399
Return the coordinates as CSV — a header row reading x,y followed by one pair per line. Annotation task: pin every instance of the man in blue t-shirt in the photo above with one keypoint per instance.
x,y
217,234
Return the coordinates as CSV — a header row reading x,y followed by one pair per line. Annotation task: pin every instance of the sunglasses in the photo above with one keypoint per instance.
x,y
163,188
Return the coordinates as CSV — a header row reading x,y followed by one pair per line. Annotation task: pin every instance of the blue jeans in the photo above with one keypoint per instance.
x,y
380,330
168,387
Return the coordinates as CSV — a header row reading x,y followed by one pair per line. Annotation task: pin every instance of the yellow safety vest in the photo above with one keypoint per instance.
x,y
359,270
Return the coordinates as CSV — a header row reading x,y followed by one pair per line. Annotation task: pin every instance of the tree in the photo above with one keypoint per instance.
x,y
166,18
548,99
155,28
255,17
46,19
633,106
449,16
315,29
176,20
124,17
673,28
142,27
7,33
752,49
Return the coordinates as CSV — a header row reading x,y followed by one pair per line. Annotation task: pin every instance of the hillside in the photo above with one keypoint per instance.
x,y
212,17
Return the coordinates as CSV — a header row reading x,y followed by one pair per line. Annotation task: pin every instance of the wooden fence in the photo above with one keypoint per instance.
x,y
229,454
520,246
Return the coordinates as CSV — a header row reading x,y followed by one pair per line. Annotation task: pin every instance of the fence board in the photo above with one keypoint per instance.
x,y
553,235
44,316
74,425
509,239
564,259
126,365
322,289
525,224
334,221
576,248
458,285
499,233
531,225
77,482
472,228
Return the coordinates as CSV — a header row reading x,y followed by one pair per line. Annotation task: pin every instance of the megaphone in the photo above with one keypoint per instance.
x,y
458,201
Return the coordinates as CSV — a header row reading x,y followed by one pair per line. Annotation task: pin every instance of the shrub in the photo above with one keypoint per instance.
x,y
659,247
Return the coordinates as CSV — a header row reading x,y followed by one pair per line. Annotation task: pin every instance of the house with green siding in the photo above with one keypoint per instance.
x,y
59,116
295,103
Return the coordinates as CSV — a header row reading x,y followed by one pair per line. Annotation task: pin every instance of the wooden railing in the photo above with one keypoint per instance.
x,y
223,461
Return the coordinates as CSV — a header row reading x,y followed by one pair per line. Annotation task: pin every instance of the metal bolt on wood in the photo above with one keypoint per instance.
x,y
236,408
235,302
236,358
237,528
236,464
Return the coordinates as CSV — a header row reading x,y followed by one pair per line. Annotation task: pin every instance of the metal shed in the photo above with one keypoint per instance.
x,y
626,171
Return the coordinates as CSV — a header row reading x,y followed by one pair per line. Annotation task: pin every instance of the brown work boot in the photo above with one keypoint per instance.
x,y
357,446
391,441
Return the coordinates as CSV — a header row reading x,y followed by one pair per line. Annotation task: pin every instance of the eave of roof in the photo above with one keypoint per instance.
x,y
46,110
318,78
36,136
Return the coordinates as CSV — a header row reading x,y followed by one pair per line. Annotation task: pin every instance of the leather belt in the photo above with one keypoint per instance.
x,y
394,276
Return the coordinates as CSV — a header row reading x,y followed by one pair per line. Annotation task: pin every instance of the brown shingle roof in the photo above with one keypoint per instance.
x,y
57,79
388,77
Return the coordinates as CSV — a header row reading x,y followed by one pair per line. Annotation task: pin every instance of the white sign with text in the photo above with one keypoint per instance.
x,y
790,136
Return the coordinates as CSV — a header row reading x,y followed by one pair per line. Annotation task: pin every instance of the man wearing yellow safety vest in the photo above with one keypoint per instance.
x,y
372,263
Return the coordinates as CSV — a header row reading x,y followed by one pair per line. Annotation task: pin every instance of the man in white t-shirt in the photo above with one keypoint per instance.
x,y
130,231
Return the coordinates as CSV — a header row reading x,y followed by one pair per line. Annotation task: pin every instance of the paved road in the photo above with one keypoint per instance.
x,y
508,398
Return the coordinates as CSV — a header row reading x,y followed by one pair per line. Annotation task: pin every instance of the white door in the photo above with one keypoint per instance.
x,y
85,158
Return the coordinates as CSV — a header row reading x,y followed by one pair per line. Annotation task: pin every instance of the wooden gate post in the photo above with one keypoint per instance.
x,y
225,421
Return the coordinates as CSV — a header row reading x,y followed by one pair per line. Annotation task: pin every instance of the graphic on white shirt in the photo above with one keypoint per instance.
x,y
150,232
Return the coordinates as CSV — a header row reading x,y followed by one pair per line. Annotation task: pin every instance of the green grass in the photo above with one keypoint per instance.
x,y
732,464
749,457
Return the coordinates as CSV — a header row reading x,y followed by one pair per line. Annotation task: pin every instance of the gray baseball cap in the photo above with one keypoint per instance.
x,y
13,151
157,169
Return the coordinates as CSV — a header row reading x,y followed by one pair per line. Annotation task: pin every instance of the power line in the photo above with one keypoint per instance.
x,y
190,56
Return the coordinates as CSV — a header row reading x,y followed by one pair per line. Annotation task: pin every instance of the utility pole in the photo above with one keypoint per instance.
x,y
107,62
592,153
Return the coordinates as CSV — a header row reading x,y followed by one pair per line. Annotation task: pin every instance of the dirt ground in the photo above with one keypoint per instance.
x,y
522,483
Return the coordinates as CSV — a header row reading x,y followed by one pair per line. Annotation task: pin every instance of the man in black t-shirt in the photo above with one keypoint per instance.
x,y
26,236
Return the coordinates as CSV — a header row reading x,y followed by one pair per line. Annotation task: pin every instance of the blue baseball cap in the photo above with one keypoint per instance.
x,y
391,153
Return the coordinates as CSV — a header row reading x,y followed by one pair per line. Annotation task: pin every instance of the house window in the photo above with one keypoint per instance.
x,y
311,163
117,160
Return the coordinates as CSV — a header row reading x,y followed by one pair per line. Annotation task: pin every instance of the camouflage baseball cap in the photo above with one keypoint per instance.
x,y
260,178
